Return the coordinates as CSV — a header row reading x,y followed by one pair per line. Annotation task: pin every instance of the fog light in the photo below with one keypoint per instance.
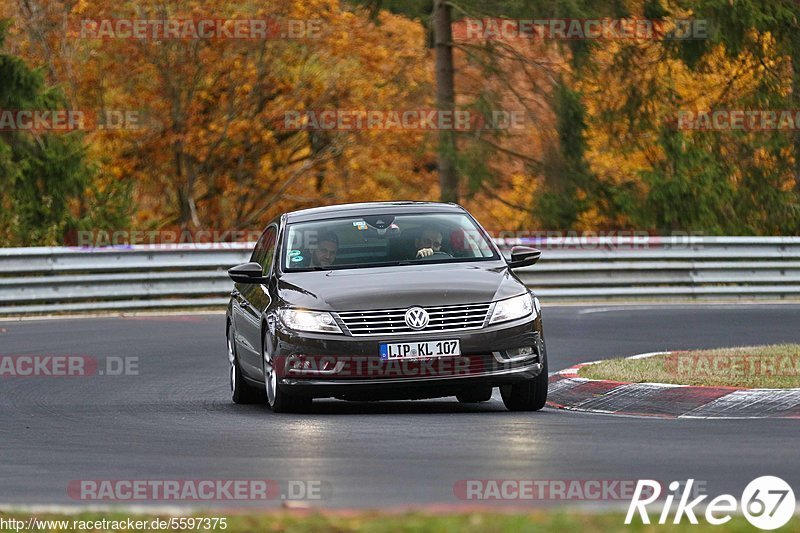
x,y
514,355
299,363
516,352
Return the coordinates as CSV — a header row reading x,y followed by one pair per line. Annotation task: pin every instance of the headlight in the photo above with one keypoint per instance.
x,y
512,309
302,320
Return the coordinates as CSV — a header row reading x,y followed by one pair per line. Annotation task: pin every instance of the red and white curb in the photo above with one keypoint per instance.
x,y
663,400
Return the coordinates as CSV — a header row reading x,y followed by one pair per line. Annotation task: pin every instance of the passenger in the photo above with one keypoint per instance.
x,y
324,254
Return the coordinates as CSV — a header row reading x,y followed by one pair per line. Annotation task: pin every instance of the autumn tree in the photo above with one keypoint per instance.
x,y
48,185
654,175
211,151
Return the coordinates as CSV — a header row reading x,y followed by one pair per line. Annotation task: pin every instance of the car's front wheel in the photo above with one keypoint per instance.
x,y
279,401
241,391
528,395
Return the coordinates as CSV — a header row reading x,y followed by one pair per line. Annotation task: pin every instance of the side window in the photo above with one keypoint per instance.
x,y
265,248
258,251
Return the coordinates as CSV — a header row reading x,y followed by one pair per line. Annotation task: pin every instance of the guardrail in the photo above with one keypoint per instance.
x,y
43,280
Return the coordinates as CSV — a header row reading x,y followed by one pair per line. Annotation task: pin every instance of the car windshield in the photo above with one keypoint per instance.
x,y
383,240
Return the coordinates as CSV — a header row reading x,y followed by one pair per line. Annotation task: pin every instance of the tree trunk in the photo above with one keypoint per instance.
x,y
445,99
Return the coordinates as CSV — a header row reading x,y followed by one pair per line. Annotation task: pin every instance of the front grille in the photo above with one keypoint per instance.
x,y
392,321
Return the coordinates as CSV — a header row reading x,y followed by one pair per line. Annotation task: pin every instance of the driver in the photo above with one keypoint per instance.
x,y
428,243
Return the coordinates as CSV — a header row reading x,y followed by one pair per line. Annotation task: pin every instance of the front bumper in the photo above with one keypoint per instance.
x,y
324,365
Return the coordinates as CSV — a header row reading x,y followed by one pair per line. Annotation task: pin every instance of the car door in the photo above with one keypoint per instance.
x,y
252,300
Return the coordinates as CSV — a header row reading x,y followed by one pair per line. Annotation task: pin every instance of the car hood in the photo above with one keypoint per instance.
x,y
399,286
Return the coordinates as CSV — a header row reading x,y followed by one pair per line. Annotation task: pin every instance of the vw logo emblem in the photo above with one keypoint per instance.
x,y
417,318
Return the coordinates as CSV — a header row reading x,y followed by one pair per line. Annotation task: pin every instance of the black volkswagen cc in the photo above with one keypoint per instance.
x,y
379,301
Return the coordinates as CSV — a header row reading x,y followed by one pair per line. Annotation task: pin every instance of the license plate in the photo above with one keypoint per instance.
x,y
420,350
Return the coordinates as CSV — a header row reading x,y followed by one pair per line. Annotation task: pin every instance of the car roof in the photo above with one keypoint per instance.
x,y
366,208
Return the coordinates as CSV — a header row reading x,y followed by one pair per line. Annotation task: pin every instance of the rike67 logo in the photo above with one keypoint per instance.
x,y
767,502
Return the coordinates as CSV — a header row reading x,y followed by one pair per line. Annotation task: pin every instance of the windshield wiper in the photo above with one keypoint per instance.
x,y
308,269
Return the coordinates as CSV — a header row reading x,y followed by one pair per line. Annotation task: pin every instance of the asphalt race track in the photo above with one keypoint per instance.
x,y
174,419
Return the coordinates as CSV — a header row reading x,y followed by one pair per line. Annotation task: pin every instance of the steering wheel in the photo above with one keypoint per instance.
x,y
437,255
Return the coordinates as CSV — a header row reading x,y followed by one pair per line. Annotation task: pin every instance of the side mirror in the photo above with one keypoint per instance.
x,y
247,273
522,256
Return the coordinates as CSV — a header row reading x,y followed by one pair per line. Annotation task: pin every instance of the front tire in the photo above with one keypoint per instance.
x,y
241,391
528,395
277,399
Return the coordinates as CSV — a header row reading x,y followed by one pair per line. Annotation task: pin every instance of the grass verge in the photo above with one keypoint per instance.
x,y
769,367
